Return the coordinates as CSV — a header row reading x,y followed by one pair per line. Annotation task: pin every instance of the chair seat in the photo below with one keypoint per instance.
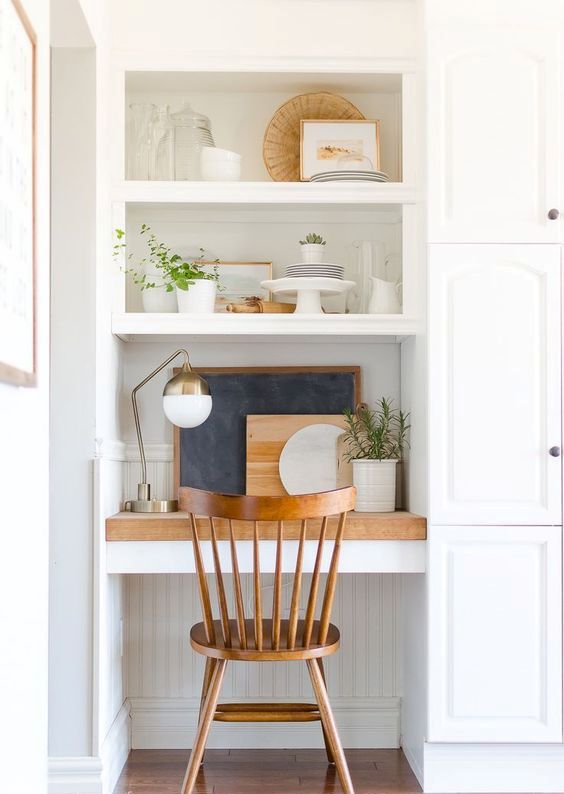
x,y
218,649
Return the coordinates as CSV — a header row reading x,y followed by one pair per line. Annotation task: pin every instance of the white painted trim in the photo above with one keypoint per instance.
x,y
115,749
166,723
153,452
357,556
182,61
412,761
93,774
477,768
78,775
110,449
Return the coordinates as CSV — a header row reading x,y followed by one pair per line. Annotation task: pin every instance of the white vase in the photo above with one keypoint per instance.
x,y
312,253
199,298
375,483
159,300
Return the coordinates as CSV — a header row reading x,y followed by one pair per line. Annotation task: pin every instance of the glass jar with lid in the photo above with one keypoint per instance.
x,y
191,131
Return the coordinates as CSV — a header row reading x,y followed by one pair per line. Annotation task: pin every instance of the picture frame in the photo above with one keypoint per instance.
x,y
240,280
323,141
17,192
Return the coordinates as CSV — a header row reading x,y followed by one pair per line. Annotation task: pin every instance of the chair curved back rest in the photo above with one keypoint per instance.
x,y
257,509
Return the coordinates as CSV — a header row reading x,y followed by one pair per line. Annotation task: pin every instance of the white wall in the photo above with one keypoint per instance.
x,y
73,399
24,493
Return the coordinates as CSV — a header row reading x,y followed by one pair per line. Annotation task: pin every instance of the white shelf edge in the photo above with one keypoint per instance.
x,y
141,192
133,325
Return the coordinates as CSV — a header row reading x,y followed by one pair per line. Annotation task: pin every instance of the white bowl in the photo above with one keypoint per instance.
x,y
211,153
221,171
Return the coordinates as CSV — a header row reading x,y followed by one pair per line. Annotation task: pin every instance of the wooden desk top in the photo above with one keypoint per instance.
x,y
399,525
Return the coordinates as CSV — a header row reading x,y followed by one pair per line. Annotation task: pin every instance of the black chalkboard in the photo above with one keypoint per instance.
x,y
212,456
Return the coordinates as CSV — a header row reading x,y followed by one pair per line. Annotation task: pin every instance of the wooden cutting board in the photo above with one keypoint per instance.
x,y
266,437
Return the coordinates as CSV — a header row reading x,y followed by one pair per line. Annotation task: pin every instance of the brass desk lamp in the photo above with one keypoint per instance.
x,y
187,403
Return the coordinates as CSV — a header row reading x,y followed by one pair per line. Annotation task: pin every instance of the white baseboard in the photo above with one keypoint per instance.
x,y
413,762
115,749
75,775
480,768
90,774
166,723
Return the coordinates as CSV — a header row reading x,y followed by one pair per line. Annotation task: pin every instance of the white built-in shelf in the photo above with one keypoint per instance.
x,y
131,326
354,193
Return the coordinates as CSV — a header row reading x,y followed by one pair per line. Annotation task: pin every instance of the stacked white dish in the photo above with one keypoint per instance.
x,y
320,270
220,165
353,175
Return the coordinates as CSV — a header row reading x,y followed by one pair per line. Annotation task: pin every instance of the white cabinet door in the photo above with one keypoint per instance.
x,y
494,139
495,634
494,384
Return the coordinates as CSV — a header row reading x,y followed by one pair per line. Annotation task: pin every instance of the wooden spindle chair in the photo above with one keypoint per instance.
x,y
261,639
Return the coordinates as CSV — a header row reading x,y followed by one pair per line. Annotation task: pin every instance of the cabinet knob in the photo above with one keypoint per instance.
x,y
553,214
554,451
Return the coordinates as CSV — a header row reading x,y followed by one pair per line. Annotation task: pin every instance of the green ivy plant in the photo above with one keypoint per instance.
x,y
174,269
376,435
313,239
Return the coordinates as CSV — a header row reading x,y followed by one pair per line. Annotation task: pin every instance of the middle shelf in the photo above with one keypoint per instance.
x,y
130,326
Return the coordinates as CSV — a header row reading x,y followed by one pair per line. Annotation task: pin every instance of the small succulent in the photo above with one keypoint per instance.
x,y
313,239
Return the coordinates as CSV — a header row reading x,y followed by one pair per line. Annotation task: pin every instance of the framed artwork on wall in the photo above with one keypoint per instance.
x,y
17,196
324,141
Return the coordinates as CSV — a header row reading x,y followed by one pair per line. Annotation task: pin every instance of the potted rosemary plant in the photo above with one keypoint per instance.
x,y
312,248
374,442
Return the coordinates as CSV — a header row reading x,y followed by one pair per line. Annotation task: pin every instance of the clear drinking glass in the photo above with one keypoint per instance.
x,y
162,145
141,116
191,132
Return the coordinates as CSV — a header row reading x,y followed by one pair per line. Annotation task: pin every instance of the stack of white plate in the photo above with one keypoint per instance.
x,y
321,270
350,176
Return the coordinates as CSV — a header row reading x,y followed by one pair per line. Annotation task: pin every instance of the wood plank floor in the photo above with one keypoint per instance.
x,y
267,772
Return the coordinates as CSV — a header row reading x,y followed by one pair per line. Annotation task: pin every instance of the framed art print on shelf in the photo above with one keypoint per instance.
x,y
323,142
240,280
17,178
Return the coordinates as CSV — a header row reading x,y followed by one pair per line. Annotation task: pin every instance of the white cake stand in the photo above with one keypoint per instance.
x,y
309,291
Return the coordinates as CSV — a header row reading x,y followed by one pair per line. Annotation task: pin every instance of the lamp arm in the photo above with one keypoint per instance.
x,y
136,412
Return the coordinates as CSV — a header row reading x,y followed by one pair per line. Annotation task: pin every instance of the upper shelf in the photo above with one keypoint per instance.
x,y
354,193
138,325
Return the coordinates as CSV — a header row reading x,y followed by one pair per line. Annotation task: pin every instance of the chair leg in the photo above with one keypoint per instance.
x,y
329,725
204,726
330,757
208,672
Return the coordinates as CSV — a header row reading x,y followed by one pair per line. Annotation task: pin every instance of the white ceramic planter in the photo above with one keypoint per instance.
x,y
198,299
312,253
159,300
375,483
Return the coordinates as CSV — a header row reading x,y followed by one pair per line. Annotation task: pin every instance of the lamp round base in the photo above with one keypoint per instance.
x,y
152,505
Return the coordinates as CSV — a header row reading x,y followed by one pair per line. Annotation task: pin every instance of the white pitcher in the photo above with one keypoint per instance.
x,y
385,297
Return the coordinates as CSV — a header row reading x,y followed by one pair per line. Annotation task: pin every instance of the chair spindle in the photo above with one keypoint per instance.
x,y
331,583
256,576
277,591
296,590
314,587
223,609
241,628
202,582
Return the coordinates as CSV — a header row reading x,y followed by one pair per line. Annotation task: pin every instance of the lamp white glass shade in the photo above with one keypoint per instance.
x,y
187,410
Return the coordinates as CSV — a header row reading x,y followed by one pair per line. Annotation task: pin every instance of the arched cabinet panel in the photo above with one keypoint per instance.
x,y
495,384
494,135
